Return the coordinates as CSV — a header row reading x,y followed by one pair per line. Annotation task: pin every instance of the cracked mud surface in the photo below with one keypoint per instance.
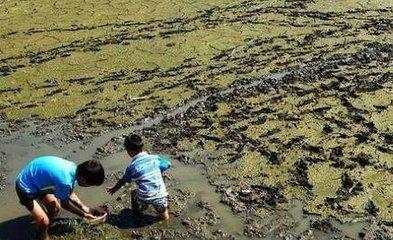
x,y
282,109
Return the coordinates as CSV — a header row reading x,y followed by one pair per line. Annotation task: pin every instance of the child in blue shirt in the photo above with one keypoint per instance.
x,y
51,180
146,171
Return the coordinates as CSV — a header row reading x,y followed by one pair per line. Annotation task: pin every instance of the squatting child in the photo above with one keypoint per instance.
x,y
50,180
146,171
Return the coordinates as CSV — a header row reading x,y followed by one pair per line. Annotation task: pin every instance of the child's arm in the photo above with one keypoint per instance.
x,y
67,205
118,185
74,199
70,202
128,176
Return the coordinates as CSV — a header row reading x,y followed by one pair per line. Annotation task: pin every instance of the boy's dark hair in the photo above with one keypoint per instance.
x,y
133,142
92,172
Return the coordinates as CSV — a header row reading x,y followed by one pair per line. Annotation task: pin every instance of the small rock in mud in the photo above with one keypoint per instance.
x,y
371,208
327,129
182,158
245,192
312,160
186,222
388,137
263,196
370,126
333,203
313,149
271,156
336,153
362,137
112,146
350,186
324,226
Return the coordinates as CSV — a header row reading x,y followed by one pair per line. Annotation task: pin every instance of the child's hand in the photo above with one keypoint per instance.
x,y
89,216
98,211
166,175
114,189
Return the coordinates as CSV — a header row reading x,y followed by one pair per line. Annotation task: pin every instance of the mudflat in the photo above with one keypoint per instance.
x,y
277,114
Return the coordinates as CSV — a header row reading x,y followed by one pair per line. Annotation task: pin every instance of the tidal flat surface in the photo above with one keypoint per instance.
x,y
277,114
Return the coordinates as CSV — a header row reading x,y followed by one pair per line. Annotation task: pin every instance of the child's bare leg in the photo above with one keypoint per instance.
x,y
41,219
164,215
52,205
161,206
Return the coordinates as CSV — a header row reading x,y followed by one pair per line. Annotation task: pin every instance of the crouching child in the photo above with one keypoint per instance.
x,y
146,171
49,181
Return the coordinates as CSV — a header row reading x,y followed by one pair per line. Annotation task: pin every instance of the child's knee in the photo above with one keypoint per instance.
x,y
54,208
50,199
52,205
43,222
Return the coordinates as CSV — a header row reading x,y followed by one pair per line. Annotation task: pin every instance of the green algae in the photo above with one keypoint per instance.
x,y
346,5
202,44
251,165
326,181
45,14
377,191
114,64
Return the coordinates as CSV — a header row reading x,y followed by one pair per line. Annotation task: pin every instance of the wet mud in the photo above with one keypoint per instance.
x,y
268,151
277,113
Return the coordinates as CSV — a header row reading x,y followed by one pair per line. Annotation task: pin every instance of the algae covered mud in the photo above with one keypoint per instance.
x,y
278,114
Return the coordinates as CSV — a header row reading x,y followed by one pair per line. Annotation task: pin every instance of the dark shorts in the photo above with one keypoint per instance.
x,y
139,205
159,204
27,199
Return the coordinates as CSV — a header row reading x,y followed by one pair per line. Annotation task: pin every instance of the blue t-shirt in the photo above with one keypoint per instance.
x,y
145,169
48,173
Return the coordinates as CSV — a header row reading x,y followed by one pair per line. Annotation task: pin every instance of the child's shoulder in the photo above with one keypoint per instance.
x,y
141,159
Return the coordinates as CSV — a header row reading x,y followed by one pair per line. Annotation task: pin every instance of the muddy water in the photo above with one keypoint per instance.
x,y
21,147
24,147
192,177
18,154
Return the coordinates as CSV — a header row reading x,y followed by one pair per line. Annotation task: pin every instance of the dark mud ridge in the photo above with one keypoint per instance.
x,y
263,144
310,37
242,162
283,134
